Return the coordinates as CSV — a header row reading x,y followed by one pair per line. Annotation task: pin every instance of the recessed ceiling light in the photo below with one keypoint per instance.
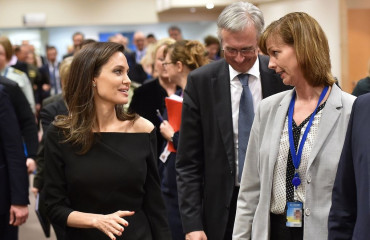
x,y
210,5
193,10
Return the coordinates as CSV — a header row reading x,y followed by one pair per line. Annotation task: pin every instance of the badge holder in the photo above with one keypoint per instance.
x,y
294,210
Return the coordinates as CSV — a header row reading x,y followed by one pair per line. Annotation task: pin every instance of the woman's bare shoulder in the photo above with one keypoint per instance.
x,y
141,125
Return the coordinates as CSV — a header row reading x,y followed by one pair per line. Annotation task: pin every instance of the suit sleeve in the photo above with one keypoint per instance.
x,y
342,216
46,118
26,119
249,192
190,162
153,202
13,151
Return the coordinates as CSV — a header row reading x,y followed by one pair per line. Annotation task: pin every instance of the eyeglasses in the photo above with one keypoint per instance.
x,y
166,63
244,52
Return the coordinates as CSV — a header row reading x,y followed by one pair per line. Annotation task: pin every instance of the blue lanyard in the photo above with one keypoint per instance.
x,y
296,157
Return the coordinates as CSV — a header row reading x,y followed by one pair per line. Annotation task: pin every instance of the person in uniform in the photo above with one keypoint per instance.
x,y
6,53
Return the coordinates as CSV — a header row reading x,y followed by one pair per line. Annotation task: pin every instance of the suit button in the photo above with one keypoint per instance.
x,y
227,207
307,212
309,178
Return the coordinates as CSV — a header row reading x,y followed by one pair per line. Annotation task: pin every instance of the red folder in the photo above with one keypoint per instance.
x,y
174,108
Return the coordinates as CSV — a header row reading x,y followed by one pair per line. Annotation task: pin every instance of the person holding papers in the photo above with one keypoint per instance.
x,y
181,58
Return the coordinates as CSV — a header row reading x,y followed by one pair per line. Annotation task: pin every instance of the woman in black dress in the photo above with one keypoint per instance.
x,y
100,169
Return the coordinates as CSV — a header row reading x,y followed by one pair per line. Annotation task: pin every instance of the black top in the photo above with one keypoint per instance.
x,y
118,173
146,100
52,106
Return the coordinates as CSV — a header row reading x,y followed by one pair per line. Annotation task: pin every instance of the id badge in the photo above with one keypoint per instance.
x,y
294,213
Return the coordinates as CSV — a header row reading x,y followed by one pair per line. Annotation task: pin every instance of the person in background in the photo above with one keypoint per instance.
x,y
51,69
147,62
52,106
174,32
13,172
78,38
150,39
31,71
209,162
101,176
26,120
213,47
181,58
296,138
140,44
149,97
6,53
137,73
349,213
363,85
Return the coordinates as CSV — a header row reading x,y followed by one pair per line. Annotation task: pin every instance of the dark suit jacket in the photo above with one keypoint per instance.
x,y
349,216
52,106
205,158
13,170
24,114
136,73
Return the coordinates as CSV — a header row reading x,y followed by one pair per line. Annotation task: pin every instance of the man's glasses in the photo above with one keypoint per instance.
x,y
246,52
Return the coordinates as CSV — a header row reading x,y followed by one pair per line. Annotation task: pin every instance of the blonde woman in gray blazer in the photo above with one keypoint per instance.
x,y
299,52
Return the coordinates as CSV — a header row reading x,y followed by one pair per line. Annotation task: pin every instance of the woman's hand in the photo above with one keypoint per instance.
x,y
166,130
112,224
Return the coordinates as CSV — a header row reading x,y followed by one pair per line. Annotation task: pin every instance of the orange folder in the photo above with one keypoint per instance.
x,y
174,108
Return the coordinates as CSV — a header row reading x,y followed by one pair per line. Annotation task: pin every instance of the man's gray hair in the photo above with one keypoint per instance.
x,y
237,16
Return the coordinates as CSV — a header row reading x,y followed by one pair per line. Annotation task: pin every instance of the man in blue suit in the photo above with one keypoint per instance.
x,y
13,172
349,216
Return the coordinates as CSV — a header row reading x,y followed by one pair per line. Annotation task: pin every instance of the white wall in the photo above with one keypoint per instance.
x,y
61,37
79,12
326,12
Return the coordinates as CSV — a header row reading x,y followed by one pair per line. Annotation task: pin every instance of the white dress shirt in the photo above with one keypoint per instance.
x,y
236,89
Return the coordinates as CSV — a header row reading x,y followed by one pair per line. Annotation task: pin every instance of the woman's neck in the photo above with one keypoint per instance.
x,y
106,117
184,77
168,86
307,93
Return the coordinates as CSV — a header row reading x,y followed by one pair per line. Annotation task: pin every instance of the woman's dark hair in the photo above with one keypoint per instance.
x,y
79,94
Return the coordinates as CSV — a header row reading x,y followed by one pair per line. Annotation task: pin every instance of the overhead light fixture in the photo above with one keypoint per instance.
x,y
193,10
210,5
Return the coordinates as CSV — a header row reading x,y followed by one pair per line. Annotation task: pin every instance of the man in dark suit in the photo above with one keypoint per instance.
x,y
26,120
13,172
207,157
349,215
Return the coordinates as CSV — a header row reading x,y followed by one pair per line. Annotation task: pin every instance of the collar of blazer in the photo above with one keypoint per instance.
x,y
328,120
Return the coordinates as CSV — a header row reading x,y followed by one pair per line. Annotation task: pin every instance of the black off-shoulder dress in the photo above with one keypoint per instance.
x,y
118,173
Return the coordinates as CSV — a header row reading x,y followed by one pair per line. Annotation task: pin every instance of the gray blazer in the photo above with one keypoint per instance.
x,y
253,208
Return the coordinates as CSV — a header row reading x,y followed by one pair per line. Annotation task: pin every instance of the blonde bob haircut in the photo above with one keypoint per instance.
x,y
305,35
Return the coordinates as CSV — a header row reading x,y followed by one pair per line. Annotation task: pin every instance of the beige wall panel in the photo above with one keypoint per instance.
x,y
79,12
358,44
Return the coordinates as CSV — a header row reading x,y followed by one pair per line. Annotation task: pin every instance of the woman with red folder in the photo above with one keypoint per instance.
x,y
181,58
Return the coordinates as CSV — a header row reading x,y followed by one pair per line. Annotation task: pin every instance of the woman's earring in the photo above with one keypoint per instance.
x,y
94,84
